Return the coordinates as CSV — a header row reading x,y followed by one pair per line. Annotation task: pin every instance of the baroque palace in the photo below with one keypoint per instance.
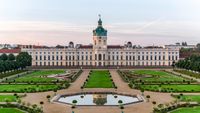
x,y
101,54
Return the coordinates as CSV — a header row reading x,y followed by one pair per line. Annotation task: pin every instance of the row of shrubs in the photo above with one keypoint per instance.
x,y
10,73
32,90
33,82
76,75
123,76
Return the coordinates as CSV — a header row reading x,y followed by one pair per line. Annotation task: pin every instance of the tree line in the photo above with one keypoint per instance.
x,y
11,62
190,63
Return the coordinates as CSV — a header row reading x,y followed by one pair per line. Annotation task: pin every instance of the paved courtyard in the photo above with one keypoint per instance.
x,y
144,107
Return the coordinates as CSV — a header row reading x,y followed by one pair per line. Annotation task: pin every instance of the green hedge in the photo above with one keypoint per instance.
x,y
76,75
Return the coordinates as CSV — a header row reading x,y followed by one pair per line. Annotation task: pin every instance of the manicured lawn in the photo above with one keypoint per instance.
x,y
192,98
156,76
187,110
10,110
172,88
99,79
9,98
11,73
19,88
39,76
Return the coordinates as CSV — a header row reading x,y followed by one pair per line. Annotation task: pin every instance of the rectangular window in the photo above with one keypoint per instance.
x,y
142,57
77,57
163,57
138,57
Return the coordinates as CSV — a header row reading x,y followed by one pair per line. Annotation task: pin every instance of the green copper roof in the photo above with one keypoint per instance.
x,y
99,31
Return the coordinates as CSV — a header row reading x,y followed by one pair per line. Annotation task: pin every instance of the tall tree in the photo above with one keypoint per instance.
x,y
4,57
24,59
191,63
198,46
11,57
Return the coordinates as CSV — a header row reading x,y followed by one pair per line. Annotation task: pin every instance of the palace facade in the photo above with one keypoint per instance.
x,y
101,54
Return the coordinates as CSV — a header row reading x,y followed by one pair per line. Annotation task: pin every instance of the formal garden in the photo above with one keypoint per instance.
x,y
13,104
15,78
38,76
159,81
30,82
169,82
99,79
39,81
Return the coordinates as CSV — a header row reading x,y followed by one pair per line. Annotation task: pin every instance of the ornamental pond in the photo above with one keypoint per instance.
x,y
99,99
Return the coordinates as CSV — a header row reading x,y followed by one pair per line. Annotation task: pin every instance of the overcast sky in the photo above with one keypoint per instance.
x,y
144,22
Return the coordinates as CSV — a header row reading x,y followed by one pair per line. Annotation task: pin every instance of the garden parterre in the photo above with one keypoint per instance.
x,y
159,81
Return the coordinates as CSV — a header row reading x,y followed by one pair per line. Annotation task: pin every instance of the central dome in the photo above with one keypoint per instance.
x,y
99,31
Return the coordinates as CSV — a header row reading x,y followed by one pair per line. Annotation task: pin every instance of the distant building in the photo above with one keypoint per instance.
x,y
179,46
15,52
101,54
8,46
